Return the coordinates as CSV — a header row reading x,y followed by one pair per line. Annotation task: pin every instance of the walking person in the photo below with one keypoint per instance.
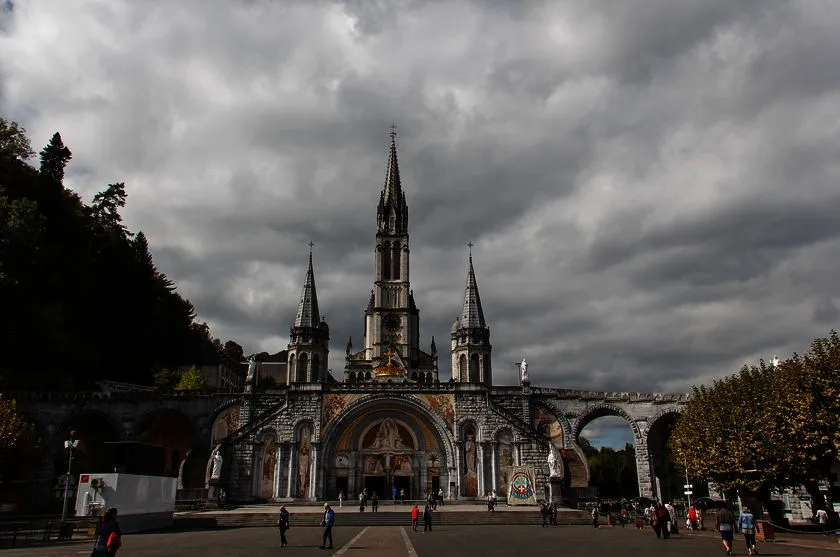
x,y
663,518
544,514
692,519
440,496
362,502
402,496
108,536
746,524
283,525
623,517
327,523
394,494
374,502
415,516
490,502
725,524
595,516
427,519
552,514
341,498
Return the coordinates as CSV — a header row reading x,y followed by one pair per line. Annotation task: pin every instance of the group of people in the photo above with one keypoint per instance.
x,y
663,519
727,524
548,512
426,515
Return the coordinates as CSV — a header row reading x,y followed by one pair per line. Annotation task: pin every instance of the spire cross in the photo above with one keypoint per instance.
x,y
393,130
311,244
470,245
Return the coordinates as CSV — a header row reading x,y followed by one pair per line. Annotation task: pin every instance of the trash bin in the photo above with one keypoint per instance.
x,y
764,531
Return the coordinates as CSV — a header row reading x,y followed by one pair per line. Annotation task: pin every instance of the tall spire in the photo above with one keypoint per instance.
x,y
472,316
392,213
307,313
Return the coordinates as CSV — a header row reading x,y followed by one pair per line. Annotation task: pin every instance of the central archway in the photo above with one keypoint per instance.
x,y
384,444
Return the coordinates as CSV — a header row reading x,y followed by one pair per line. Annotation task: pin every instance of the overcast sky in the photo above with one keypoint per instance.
x,y
651,186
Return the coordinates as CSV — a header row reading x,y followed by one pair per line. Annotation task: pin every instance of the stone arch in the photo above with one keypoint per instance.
x,y
268,464
433,435
475,374
561,419
462,368
93,429
316,368
177,434
397,250
601,410
292,371
224,420
656,435
386,261
303,367
465,421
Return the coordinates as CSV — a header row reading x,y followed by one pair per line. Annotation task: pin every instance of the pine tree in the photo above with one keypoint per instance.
x,y
142,255
54,157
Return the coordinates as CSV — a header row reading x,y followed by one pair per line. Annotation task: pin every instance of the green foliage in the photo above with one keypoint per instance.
x,y
15,431
54,157
192,380
82,299
234,350
13,141
166,379
765,427
612,471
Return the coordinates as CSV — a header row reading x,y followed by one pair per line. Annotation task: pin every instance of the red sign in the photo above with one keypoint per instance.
x,y
84,479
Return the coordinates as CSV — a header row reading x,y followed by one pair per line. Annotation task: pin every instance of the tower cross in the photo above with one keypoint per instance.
x,y
470,245
393,130
311,244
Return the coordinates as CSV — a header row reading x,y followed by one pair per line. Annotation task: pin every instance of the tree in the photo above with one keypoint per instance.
x,y
13,141
106,208
192,380
166,379
142,255
234,350
809,414
54,157
15,430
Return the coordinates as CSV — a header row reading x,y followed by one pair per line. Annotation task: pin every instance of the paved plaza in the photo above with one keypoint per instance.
x,y
393,541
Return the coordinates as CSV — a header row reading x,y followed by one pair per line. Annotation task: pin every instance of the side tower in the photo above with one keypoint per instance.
x,y
392,321
471,337
309,337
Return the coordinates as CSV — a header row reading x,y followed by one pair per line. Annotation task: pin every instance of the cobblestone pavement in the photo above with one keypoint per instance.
x,y
466,541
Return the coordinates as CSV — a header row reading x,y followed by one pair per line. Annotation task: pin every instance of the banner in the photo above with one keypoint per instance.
x,y
521,486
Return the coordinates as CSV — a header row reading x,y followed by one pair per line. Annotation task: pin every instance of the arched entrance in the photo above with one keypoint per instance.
x,y
667,475
382,445
184,456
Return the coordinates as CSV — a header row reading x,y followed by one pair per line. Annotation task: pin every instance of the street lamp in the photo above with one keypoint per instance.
x,y
70,444
688,487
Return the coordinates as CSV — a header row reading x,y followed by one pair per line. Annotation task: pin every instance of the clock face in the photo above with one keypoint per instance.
x,y
392,322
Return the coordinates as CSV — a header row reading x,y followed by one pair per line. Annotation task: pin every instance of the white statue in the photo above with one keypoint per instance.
x,y
555,462
523,370
775,361
216,466
252,369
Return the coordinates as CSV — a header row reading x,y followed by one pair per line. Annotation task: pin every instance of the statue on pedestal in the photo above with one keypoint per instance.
x,y
523,372
252,374
555,462
216,466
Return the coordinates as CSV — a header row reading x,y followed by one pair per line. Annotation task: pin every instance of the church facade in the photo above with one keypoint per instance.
x,y
391,422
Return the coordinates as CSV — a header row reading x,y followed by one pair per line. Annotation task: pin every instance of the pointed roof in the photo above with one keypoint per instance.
x,y
307,313
392,190
472,316
392,198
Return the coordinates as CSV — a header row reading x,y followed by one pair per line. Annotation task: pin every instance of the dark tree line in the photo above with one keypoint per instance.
x,y
81,297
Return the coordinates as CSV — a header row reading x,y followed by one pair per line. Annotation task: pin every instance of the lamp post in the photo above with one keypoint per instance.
x,y
688,487
70,444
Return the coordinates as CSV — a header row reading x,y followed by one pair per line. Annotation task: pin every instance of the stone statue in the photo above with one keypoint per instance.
x,y
388,437
252,373
469,450
523,372
304,463
216,466
555,462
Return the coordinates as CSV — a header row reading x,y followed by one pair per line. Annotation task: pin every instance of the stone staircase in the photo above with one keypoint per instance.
x,y
200,521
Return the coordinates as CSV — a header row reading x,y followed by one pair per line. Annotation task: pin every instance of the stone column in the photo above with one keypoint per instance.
x,y
275,490
644,468
482,488
291,488
459,457
493,450
313,471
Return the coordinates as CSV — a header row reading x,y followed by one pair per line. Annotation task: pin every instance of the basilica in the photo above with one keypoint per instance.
x,y
391,422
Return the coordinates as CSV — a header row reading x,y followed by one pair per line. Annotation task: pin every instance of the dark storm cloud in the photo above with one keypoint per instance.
x,y
649,185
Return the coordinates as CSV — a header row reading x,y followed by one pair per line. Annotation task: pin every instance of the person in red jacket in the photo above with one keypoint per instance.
x,y
415,516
